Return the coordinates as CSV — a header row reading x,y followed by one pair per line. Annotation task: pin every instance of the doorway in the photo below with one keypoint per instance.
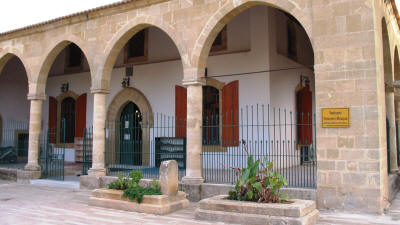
x,y
131,135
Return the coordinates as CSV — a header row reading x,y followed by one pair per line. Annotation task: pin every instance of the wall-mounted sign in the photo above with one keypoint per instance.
x,y
335,117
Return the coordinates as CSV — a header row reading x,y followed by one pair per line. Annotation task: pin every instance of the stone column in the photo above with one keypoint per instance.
x,y
99,133
390,115
397,115
194,131
35,127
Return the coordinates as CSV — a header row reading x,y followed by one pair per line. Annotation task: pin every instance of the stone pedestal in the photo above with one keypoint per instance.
x,y
35,127
169,177
220,209
170,200
99,133
154,204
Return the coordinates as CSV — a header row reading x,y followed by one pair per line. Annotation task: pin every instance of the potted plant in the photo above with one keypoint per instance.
x,y
126,193
257,199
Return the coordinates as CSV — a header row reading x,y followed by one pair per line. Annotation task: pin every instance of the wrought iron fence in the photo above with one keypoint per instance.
x,y
14,136
281,136
87,150
140,141
388,144
52,154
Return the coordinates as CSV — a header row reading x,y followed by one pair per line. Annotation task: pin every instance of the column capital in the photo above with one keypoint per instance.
x,y
36,96
100,91
199,81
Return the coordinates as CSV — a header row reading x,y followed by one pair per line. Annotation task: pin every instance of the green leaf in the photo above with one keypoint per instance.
x,y
250,160
250,194
258,186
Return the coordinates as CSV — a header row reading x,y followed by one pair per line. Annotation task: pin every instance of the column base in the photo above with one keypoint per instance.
x,y
32,167
192,180
97,172
24,176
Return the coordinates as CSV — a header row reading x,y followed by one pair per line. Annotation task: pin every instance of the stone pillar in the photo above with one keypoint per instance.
x,y
35,127
194,131
390,115
99,133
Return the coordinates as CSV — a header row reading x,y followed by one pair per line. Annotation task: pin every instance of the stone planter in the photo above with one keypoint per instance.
x,y
154,204
218,208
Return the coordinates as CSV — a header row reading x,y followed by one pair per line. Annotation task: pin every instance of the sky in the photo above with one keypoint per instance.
x,y
15,14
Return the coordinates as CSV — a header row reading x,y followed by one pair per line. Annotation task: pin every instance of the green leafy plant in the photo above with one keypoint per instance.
x,y
136,192
120,184
132,188
258,185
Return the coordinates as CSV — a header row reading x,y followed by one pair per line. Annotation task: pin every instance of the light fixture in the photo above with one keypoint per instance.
x,y
126,80
64,87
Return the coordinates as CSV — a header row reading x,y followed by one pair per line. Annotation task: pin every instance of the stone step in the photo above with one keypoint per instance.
x,y
56,183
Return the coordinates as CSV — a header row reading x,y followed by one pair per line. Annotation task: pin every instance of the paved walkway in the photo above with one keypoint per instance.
x,y
37,204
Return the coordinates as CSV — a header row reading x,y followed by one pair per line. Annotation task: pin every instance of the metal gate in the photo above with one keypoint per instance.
x,y
87,150
388,144
52,155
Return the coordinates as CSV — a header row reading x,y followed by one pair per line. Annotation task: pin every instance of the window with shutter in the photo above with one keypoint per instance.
x,y
221,41
180,111
52,123
230,114
304,116
210,116
136,50
80,115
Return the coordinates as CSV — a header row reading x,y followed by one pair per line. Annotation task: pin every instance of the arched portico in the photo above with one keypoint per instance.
x,y
39,84
101,85
226,13
194,77
37,94
121,38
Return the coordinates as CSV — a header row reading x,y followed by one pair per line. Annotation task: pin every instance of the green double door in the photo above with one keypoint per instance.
x,y
131,135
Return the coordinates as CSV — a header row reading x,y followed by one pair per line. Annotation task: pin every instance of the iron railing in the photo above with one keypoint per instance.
x,y
281,136
397,143
52,154
87,150
14,137
388,144
141,141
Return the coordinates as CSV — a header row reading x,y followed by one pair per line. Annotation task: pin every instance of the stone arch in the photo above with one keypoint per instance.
x,y
122,37
50,55
387,59
130,95
231,9
113,116
4,58
396,63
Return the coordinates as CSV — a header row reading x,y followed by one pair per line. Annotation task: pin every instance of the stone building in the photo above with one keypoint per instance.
x,y
221,75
